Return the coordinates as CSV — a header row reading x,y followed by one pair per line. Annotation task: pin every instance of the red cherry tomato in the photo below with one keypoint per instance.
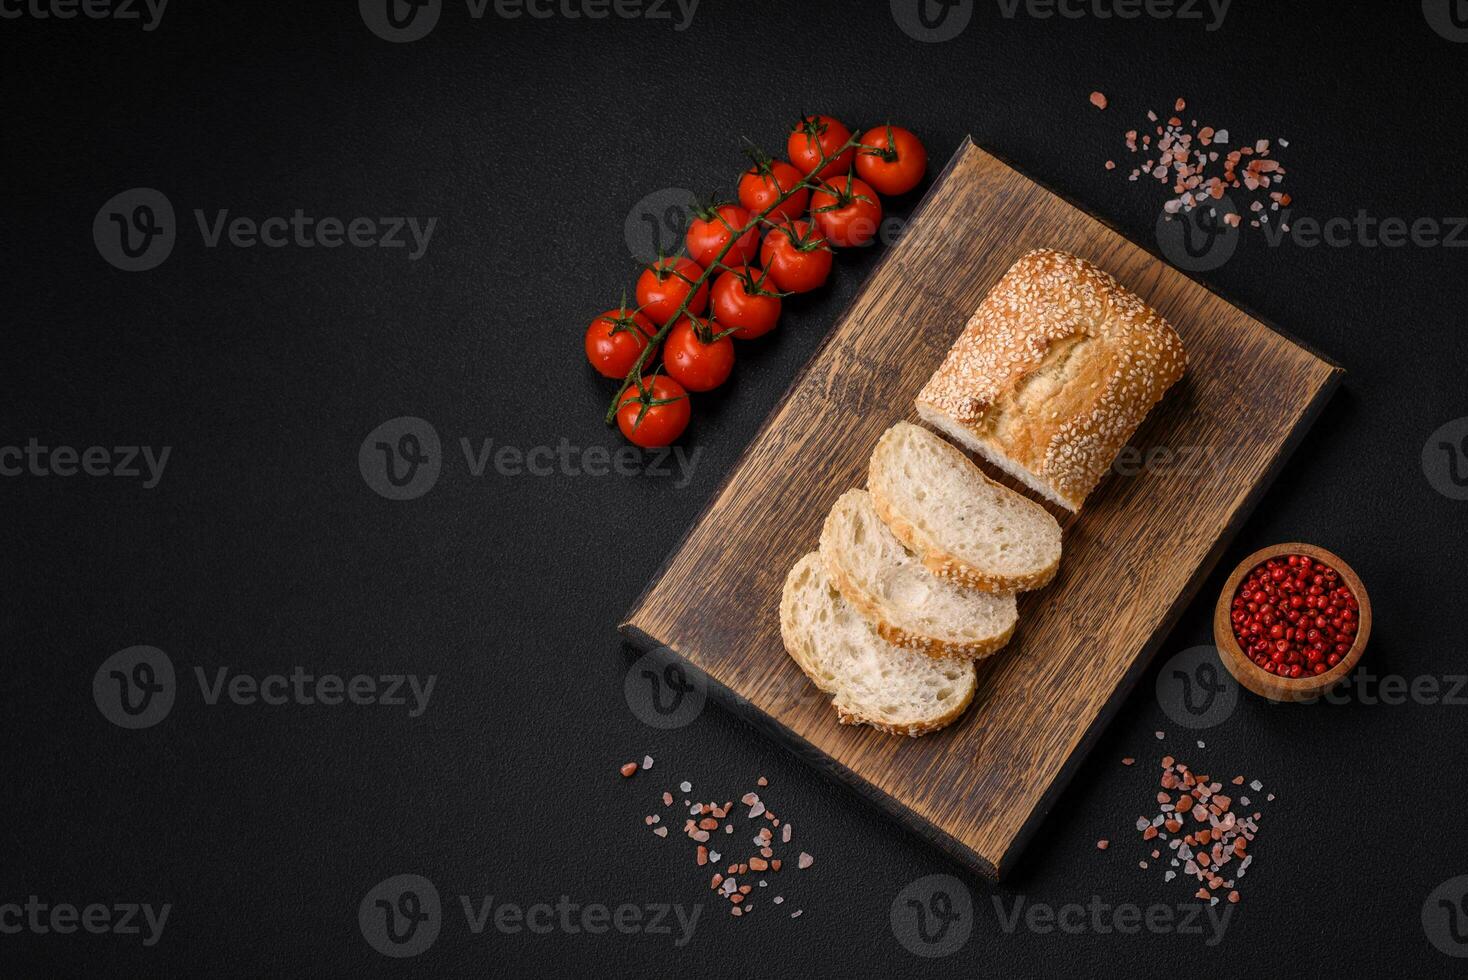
x,y
797,257
742,301
654,413
817,138
892,160
711,230
664,285
762,184
616,339
696,357
847,211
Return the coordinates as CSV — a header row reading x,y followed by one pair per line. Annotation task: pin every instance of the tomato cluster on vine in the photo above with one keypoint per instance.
x,y
743,259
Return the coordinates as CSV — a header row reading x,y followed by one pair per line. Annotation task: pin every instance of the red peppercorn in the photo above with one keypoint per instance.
x,y
1292,616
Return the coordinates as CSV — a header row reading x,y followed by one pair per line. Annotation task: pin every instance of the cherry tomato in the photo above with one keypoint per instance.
x,y
815,138
616,339
762,184
711,230
664,285
696,357
892,159
797,257
742,302
654,413
847,211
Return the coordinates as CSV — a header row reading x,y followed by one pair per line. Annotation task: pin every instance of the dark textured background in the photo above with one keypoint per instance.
x,y
263,549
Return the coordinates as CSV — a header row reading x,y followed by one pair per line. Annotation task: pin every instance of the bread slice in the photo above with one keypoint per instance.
x,y
1053,374
875,683
965,526
906,604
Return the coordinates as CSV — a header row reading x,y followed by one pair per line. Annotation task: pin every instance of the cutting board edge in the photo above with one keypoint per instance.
x,y
790,740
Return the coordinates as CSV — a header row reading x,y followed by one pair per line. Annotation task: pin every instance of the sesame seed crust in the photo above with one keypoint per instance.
x,y
1053,373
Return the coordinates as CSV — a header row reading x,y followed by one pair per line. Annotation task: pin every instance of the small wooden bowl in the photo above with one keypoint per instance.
x,y
1256,678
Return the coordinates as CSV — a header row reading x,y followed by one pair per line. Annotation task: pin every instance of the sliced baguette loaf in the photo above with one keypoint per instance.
x,y
873,682
965,526
906,603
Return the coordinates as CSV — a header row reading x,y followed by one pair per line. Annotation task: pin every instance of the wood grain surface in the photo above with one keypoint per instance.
x,y
1133,558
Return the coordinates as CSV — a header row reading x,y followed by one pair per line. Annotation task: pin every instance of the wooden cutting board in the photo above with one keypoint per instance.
x,y
1132,561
